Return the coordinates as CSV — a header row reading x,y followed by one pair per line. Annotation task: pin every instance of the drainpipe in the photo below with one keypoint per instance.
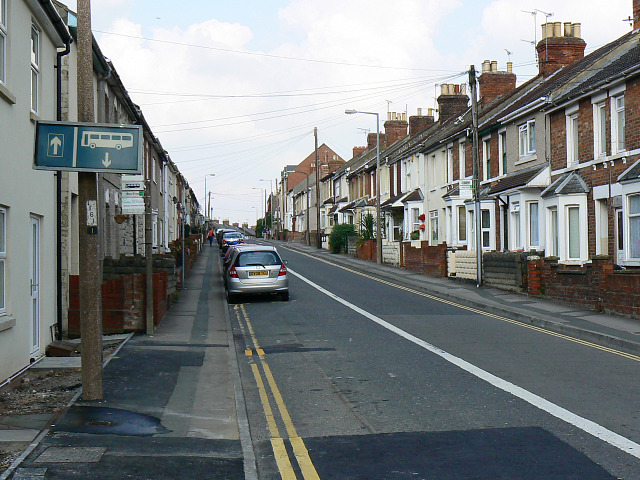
x,y
67,49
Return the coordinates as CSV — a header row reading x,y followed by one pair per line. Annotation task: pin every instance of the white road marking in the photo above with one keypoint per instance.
x,y
582,423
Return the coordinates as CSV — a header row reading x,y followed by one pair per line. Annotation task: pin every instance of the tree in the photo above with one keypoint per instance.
x,y
338,239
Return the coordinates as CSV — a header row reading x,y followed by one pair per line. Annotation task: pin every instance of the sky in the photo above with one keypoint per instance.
x,y
233,90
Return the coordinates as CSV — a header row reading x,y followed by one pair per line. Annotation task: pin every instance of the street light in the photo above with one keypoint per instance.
x,y
205,194
262,207
271,206
378,232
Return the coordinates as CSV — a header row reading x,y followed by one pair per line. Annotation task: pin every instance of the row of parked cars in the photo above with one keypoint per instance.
x,y
250,269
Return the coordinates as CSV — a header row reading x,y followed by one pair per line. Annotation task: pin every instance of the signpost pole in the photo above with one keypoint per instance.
x,y
89,248
148,253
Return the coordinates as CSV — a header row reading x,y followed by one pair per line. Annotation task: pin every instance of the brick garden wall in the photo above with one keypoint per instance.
x,y
430,260
595,285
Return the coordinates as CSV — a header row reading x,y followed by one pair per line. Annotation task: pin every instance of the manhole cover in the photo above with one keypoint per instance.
x,y
71,455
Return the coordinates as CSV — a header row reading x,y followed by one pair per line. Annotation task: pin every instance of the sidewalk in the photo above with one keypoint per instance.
x,y
169,408
574,321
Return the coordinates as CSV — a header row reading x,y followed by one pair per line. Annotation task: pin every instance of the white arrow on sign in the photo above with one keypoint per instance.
x,y
56,143
106,162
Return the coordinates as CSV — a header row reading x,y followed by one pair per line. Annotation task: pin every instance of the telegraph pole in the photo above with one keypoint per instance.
x,y
318,238
476,172
89,251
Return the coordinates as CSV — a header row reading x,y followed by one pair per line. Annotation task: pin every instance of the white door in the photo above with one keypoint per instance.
x,y
34,281
619,219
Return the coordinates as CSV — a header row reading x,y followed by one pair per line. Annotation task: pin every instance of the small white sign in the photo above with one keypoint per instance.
x,y
465,188
92,213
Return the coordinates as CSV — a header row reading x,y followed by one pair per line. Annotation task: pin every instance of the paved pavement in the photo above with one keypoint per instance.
x,y
173,405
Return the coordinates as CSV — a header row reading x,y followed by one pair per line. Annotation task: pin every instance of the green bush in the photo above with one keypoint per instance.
x,y
367,227
338,239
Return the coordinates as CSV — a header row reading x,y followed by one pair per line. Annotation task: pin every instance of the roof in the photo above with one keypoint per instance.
x,y
566,184
454,192
415,196
516,179
631,173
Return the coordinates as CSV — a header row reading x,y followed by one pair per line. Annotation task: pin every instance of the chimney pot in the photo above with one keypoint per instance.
x,y
509,67
486,66
494,66
568,29
419,112
576,30
557,29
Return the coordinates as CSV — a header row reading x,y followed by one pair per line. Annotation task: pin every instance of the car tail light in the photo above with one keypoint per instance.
x,y
233,273
283,270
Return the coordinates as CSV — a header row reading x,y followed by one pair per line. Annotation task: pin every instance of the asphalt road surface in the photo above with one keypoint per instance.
x,y
356,378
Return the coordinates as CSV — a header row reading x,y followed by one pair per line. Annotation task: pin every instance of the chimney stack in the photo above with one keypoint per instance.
x,y
452,101
395,127
358,150
556,50
420,122
371,140
494,84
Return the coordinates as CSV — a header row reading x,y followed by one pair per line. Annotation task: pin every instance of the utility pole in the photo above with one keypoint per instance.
x,y
89,251
318,238
476,172
148,253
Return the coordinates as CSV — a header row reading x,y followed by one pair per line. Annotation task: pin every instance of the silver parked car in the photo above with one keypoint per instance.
x,y
256,269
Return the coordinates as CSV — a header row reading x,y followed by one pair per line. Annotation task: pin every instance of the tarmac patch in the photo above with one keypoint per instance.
x,y
109,421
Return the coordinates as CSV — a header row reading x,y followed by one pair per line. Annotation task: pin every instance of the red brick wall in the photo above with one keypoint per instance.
x,y
594,285
430,260
368,250
495,84
123,303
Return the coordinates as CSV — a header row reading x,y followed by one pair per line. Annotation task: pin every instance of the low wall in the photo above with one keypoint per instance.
x,y
466,264
423,258
123,303
391,253
594,285
505,270
367,250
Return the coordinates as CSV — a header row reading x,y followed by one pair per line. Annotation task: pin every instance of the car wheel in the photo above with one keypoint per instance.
x,y
284,296
231,298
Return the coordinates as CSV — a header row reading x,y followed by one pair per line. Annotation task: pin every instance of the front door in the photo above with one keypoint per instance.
x,y
34,283
619,239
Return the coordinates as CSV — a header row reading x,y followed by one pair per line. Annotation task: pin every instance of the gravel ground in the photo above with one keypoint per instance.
x,y
39,393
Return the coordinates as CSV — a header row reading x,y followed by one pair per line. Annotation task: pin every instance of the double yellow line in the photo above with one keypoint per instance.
x,y
277,441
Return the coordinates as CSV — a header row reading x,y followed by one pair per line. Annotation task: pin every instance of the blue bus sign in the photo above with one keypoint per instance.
x,y
88,147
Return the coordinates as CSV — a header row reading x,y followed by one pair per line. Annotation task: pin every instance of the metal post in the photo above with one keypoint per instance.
x,y
378,226
148,253
318,238
476,172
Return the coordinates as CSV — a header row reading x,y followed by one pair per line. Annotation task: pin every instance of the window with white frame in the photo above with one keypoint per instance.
x,y
515,221
486,159
433,226
3,41
502,153
485,220
154,168
573,230
600,129
634,226
449,164
572,139
461,159
3,259
617,124
527,138
35,67
553,232
415,213
462,223
534,230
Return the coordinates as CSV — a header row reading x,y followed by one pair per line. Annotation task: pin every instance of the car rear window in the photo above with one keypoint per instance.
x,y
232,235
247,259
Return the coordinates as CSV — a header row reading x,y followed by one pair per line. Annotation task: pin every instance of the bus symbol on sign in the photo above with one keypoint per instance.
x,y
106,140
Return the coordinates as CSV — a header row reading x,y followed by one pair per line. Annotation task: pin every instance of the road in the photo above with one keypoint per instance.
x,y
356,378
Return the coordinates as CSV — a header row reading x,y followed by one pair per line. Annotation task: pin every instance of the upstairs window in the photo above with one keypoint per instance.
x,y
3,41
600,129
502,146
617,124
527,138
461,159
572,139
486,158
449,164
35,67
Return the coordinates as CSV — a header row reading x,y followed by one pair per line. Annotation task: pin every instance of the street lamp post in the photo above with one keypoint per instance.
x,y
207,204
378,230
271,205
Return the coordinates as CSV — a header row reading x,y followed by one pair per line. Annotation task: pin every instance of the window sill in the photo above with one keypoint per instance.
x,y
526,159
6,94
7,322
34,116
